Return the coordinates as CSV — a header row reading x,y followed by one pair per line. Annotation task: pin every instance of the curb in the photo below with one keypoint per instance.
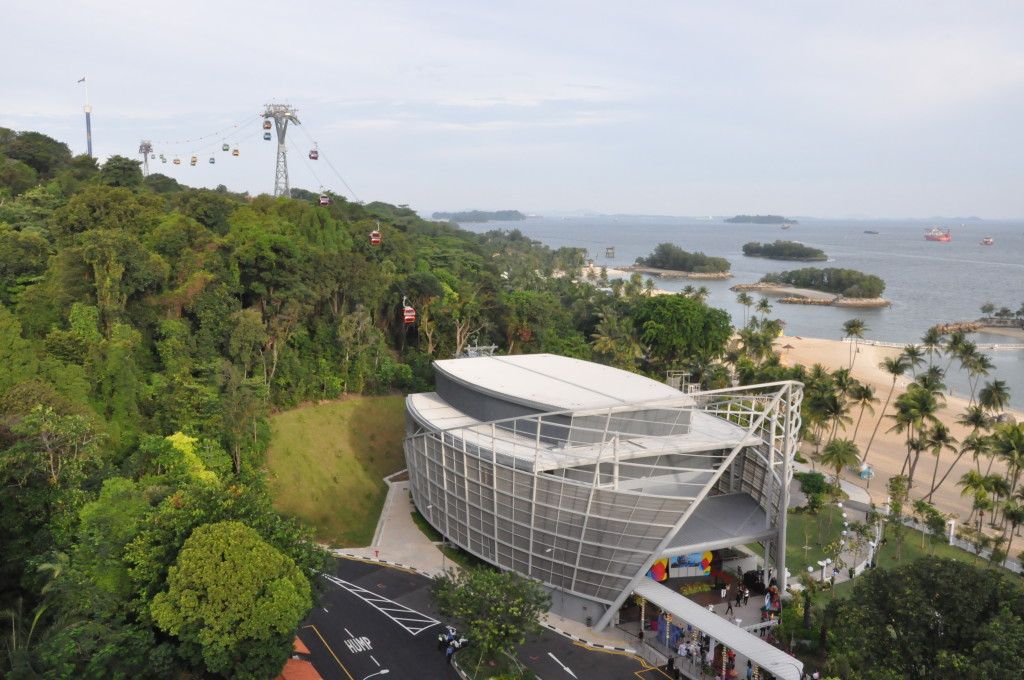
x,y
588,643
379,560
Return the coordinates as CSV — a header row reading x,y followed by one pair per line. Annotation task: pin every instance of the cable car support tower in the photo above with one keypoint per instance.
x,y
282,115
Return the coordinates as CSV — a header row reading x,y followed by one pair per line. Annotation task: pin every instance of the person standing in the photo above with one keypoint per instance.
x,y
449,652
746,595
725,591
728,610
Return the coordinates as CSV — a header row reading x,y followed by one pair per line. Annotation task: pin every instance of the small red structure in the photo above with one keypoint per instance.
x,y
409,314
325,199
375,238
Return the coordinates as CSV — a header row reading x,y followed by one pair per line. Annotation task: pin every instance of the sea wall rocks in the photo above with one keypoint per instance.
x,y
674,274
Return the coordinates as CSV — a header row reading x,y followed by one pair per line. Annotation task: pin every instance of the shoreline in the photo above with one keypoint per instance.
x,y
888,450
793,295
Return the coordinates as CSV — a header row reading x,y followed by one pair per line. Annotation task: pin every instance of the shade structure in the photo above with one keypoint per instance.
x,y
766,656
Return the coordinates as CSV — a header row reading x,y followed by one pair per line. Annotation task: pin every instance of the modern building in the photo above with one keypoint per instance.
x,y
582,476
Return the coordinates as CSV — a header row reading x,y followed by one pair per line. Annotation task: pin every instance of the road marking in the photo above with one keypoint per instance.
x,y
315,630
564,667
409,619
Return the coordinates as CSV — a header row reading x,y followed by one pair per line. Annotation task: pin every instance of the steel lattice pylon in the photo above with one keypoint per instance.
x,y
145,148
282,115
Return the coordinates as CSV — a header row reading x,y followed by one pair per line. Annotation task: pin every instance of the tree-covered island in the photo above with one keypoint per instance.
x,y
480,216
760,219
845,282
784,250
668,256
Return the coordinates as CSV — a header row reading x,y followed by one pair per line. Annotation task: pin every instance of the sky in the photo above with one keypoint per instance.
x,y
875,108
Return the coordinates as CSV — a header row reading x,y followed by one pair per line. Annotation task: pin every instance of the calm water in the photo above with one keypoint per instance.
x,y
927,282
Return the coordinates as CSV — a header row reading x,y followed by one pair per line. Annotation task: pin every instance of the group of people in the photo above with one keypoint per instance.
x,y
742,597
450,641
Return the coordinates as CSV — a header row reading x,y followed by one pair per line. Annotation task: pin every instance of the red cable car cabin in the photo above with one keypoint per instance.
x,y
375,238
314,154
409,314
325,199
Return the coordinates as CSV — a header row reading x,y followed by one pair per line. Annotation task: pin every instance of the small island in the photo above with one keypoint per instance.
x,y
670,261
760,219
480,216
829,287
784,250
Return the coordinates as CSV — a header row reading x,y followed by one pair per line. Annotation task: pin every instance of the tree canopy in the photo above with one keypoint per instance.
x,y
932,619
669,256
845,282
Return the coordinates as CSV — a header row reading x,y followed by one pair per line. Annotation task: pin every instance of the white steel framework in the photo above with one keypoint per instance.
x,y
282,114
586,500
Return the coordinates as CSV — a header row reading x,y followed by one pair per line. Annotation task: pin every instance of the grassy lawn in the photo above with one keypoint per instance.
x,y
326,463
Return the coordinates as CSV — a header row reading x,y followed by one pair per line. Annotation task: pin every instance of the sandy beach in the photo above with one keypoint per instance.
x,y
888,450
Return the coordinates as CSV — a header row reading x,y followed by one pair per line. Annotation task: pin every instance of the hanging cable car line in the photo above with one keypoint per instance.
x,y
325,159
228,131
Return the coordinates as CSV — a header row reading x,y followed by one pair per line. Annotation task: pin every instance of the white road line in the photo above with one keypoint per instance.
x,y
409,619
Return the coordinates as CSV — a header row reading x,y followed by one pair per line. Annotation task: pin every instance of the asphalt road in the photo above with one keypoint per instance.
x,y
374,620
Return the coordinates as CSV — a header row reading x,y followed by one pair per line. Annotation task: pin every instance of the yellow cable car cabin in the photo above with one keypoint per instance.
x,y
266,125
177,161
234,152
194,160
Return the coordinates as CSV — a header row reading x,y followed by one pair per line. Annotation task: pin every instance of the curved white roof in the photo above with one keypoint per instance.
x,y
555,383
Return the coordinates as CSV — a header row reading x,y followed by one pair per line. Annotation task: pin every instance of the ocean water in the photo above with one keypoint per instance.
x,y
927,282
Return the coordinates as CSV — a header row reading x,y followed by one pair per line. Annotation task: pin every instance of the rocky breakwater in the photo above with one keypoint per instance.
x,y
841,301
960,327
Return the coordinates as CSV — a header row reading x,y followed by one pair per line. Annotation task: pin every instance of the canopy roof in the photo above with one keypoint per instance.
x,y
745,644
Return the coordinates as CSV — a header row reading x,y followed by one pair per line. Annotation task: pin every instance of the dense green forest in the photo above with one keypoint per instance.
x,y
783,250
845,282
148,329
669,256
760,219
480,216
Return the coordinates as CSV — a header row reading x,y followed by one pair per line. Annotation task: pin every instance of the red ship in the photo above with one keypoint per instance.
x,y
936,234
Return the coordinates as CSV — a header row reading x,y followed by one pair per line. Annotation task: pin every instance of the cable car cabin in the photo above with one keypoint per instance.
x,y
266,125
225,147
212,160
266,136
162,159
314,154
375,238
234,152
325,199
177,161
194,160
408,314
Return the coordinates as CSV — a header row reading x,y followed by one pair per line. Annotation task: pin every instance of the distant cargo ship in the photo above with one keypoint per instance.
x,y
987,241
936,234
870,231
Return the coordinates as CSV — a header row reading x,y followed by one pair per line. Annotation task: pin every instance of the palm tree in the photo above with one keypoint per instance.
x,y
894,366
855,328
915,356
931,341
1008,444
763,307
915,411
931,380
973,483
938,438
865,396
1013,513
616,340
977,365
840,453
747,301
994,396
953,344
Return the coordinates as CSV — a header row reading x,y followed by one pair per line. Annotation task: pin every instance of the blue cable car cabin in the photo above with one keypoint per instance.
x,y
266,136
212,160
